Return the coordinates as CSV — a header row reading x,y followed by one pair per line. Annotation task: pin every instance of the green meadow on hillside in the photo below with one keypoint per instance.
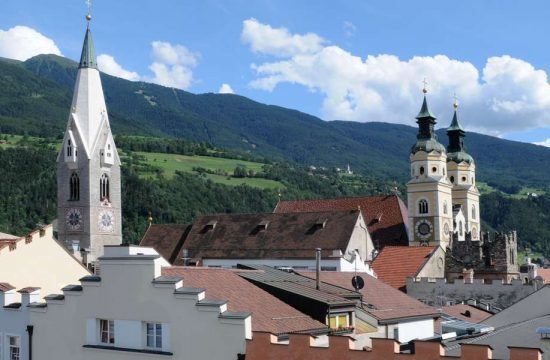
x,y
219,170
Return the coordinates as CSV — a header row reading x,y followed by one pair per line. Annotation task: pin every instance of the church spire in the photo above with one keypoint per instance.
x,y
427,139
456,149
88,58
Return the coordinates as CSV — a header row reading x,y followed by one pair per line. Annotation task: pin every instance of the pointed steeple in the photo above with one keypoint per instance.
x,y
427,139
88,58
456,149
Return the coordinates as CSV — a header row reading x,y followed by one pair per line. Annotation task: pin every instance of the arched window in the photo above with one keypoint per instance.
x,y
473,212
74,187
460,232
104,187
452,179
69,148
422,170
423,206
445,207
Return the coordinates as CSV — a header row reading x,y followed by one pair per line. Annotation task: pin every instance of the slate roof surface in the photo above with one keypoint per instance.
x,y
274,236
269,314
386,216
166,239
395,263
459,311
386,302
300,285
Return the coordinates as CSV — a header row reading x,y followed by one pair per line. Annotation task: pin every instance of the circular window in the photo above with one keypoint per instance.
x,y
464,178
434,169
446,229
440,263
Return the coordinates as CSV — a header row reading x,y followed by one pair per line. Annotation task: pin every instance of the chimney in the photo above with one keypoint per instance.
x,y
7,294
468,276
29,295
317,267
186,258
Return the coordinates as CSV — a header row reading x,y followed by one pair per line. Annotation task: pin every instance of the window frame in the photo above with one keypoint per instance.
x,y
337,317
423,207
157,341
109,331
9,347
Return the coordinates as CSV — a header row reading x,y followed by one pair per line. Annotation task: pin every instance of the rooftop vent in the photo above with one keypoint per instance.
x,y
321,223
209,226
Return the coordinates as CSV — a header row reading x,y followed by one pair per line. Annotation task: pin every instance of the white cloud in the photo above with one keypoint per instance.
x,y
108,65
278,42
543,143
22,43
507,95
226,89
172,65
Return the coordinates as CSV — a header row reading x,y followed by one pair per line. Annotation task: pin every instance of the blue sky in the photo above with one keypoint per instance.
x,y
355,60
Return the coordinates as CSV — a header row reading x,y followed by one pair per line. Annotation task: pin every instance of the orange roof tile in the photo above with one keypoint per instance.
x,y
387,302
544,274
395,263
386,216
269,314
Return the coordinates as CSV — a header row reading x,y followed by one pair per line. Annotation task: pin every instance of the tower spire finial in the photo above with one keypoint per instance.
x,y
425,89
89,14
455,101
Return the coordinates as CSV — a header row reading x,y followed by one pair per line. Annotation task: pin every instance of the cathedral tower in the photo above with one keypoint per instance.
x,y
429,192
461,173
88,166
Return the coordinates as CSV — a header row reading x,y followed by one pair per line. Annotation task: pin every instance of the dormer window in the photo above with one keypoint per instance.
x,y
211,225
321,223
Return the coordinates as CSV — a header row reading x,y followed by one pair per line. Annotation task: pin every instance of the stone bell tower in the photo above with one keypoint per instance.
x,y
88,166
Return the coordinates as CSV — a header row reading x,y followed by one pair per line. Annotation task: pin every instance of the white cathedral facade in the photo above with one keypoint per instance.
x,y
88,167
442,196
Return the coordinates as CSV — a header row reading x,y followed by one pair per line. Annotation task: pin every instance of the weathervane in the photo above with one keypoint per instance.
x,y
89,5
425,89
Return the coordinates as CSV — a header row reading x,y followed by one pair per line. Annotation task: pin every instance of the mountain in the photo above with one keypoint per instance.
x,y
35,99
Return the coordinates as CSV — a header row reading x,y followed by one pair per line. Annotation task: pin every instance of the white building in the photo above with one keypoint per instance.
x,y
131,311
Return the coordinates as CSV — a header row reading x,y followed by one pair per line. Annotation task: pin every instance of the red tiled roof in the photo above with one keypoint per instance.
x,y
269,314
387,302
395,263
386,216
6,287
544,274
460,311
166,239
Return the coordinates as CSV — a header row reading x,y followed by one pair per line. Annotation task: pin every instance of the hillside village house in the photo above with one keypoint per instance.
x,y
38,260
131,311
278,240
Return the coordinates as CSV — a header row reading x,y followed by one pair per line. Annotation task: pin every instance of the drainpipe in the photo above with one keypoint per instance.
x,y
317,267
30,330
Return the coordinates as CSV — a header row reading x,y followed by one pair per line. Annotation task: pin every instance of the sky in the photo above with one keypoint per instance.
x,y
356,60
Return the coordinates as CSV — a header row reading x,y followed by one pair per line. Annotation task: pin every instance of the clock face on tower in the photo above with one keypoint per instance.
x,y
424,229
73,219
106,220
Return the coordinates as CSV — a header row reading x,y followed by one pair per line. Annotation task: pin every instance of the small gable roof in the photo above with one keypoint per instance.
x,y
385,216
166,239
273,236
269,314
394,264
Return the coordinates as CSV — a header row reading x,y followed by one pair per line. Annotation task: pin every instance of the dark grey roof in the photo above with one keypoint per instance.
x,y
55,297
300,285
235,315
13,306
37,305
90,278
167,279
189,291
72,288
523,334
211,302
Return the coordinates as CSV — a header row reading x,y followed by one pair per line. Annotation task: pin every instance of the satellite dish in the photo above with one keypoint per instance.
x,y
357,282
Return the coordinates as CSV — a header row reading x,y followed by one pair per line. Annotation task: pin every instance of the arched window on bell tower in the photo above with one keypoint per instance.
x,y
423,206
473,212
104,187
69,148
74,187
